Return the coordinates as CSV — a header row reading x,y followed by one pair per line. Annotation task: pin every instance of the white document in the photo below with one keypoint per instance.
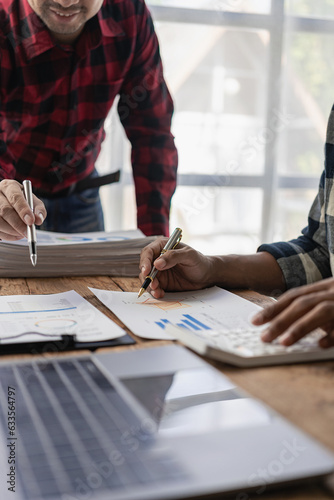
x,y
209,309
49,238
34,318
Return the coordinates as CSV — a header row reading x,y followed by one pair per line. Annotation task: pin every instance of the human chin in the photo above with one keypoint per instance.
x,y
59,22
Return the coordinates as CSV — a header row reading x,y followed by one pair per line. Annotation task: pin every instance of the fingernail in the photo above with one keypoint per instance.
x,y
41,217
265,336
28,220
257,317
285,339
324,342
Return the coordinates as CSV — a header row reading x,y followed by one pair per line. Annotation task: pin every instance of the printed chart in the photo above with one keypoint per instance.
x,y
210,309
31,318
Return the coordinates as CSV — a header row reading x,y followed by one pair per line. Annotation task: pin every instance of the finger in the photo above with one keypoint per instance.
x,y
159,293
269,312
7,231
9,237
273,310
39,211
295,314
327,340
149,254
155,289
173,257
155,284
13,192
328,327
316,318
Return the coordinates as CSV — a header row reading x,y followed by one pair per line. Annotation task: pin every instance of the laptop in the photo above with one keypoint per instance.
x,y
152,423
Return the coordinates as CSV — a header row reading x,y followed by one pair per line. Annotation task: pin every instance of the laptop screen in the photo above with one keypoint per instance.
x,y
195,401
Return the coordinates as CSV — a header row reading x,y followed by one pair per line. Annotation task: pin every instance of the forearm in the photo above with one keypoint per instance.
x,y
154,199
259,272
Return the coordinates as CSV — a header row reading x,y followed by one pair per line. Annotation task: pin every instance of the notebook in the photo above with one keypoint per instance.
x,y
156,423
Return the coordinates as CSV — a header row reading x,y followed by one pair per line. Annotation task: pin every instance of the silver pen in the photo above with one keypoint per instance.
x,y
31,231
172,242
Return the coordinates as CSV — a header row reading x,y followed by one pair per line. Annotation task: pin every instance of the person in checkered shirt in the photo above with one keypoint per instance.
x,y
63,63
303,268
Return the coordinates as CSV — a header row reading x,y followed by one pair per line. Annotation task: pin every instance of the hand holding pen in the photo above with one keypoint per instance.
x,y
183,268
172,242
31,231
15,213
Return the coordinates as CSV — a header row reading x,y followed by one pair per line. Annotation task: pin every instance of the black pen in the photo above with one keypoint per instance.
x,y
171,243
32,240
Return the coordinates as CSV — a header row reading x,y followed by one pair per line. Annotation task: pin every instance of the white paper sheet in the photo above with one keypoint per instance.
x,y
48,317
49,238
212,308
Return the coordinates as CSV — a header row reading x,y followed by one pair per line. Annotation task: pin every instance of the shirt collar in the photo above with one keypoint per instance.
x,y
36,38
39,39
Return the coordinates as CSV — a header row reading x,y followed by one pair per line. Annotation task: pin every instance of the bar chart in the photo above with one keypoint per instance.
x,y
186,321
201,310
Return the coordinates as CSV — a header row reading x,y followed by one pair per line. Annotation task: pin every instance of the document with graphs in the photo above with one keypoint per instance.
x,y
37,318
209,309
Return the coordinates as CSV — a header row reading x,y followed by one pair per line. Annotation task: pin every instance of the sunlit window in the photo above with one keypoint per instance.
x,y
252,86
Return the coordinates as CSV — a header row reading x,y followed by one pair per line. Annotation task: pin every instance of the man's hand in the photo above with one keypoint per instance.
x,y
15,213
181,269
298,312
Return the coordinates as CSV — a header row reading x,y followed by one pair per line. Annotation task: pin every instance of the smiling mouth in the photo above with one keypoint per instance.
x,y
63,14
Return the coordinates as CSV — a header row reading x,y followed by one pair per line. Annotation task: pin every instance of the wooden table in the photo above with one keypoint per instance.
x,y
303,393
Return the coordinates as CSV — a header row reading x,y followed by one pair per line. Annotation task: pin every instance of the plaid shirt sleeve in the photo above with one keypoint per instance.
x,y
310,257
145,109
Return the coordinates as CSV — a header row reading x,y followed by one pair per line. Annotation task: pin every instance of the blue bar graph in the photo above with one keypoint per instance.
x,y
197,325
191,325
183,326
162,323
187,321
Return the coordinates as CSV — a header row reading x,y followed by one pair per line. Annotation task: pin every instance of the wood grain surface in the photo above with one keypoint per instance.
x,y
302,393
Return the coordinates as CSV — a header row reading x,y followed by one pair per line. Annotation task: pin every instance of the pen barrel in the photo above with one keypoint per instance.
x,y
153,273
31,232
27,188
173,240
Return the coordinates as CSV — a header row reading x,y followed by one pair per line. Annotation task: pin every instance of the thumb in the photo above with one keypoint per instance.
x,y
160,263
171,258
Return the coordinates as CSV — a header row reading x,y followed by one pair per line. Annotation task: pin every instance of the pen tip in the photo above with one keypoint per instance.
x,y
34,259
141,291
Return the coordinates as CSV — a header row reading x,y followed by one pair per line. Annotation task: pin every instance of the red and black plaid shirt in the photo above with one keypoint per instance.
x,y
54,101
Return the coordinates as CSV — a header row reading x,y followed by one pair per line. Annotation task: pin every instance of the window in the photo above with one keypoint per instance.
x,y
251,82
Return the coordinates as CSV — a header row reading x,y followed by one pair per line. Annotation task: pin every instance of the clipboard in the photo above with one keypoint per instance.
x,y
65,342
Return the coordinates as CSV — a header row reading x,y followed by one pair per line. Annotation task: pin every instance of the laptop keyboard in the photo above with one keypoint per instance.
x,y
76,434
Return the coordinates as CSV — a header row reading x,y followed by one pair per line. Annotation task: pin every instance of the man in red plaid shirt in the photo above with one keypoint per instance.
x,y
62,65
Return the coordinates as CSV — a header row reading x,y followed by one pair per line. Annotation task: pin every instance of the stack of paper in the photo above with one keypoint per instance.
x,y
79,254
